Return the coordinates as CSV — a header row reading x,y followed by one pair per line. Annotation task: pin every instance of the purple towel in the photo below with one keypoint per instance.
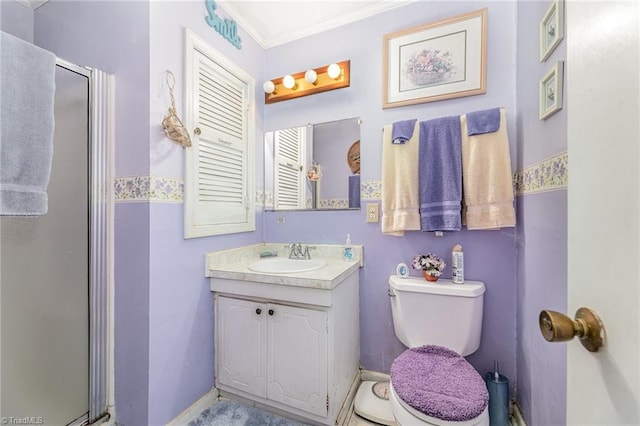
x,y
485,121
440,174
354,191
439,383
402,131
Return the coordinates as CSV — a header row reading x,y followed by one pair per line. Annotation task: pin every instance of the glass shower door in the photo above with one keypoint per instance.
x,y
44,281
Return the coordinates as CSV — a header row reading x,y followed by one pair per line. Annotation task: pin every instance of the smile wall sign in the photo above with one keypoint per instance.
x,y
227,28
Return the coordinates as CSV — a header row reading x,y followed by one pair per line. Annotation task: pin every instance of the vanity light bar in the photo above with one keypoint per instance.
x,y
329,77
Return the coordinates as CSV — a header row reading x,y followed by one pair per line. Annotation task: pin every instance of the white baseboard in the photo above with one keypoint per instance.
x,y
193,411
344,415
374,376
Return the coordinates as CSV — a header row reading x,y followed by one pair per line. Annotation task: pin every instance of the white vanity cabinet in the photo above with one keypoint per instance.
x,y
287,342
273,351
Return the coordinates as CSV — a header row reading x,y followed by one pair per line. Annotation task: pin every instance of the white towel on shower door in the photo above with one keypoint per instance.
x,y
27,90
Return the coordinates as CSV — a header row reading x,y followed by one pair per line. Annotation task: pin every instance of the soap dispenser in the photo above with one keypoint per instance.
x,y
347,251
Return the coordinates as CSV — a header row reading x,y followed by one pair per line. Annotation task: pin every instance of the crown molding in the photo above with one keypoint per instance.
x,y
362,13
32,4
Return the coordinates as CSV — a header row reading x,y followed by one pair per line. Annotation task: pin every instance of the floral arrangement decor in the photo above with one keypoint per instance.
x,y
426,67
430,264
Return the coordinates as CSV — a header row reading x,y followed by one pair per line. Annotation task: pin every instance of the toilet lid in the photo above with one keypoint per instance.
x,y
439,383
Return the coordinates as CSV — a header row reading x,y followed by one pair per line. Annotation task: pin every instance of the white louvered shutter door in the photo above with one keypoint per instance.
x,y
289,177
218,179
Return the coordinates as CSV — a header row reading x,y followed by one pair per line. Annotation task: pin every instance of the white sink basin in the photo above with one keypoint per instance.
x,y
281,265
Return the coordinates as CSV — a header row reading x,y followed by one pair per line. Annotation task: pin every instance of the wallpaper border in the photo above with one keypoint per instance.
x,y
548,175
551,174
148,188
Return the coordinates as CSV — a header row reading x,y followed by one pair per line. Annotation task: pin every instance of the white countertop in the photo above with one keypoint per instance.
x,y
233,265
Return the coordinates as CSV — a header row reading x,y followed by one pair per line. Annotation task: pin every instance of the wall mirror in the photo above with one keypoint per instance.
x,y
313,167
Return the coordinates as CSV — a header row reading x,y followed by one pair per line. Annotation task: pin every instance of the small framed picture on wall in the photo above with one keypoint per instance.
x,y
551,29
551,91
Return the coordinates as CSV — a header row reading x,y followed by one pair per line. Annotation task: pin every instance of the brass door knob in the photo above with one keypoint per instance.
x,y
557,327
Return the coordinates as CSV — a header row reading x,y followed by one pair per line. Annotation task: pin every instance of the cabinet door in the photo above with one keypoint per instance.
x,y
297,358
241,336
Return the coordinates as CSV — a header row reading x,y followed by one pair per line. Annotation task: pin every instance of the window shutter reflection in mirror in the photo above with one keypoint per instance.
x,y
290,151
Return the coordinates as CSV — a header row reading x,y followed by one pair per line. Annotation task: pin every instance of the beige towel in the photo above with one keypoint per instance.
x,y
486,178
400,195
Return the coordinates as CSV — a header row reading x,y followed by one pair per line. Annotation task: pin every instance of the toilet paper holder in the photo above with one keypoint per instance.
x,y
557,327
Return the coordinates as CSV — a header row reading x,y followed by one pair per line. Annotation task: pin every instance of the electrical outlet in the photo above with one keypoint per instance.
x,y
373,212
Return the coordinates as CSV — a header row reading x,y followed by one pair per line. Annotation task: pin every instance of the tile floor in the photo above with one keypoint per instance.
x,y
355,420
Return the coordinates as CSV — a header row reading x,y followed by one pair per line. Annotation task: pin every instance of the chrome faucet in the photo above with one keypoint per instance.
x,y
297,252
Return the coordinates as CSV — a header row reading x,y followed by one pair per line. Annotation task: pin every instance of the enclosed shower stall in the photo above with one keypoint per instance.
x,y
54,271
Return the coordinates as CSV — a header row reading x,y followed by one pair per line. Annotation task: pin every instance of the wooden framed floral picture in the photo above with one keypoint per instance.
x,y
436,61
551,87
551,29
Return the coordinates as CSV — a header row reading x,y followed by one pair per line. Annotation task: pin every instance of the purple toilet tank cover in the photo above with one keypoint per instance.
x,y
439,383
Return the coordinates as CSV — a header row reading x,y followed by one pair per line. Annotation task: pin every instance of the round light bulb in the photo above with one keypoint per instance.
x,y
334,71
311,76
269,87
288,81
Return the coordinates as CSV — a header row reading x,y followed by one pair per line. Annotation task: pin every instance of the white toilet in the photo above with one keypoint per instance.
x,y
441,322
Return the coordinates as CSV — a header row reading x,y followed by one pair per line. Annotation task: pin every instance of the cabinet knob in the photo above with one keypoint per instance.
x,y
270,311
258,311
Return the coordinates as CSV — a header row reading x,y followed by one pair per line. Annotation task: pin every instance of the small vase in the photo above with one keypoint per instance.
x,y
429,277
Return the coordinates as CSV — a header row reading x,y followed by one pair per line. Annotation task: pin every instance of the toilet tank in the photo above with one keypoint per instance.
x,y
437,313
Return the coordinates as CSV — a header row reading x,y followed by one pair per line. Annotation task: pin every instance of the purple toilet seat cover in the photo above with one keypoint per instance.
x,y
439,383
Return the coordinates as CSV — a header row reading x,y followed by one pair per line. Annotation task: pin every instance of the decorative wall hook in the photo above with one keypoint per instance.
x,y
172,125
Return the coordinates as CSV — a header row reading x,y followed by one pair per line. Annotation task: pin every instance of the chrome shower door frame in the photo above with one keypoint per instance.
x,y
101,86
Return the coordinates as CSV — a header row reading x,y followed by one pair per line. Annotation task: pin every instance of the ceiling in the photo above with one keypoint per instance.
x,y
274,22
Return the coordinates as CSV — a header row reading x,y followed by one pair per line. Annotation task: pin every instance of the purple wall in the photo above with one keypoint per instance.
x,y
164,314
58,27
131,313
113,36
180,303
542,234
181,313
17,20
163,308
330,146
490,255
379,346
542,277
167,28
